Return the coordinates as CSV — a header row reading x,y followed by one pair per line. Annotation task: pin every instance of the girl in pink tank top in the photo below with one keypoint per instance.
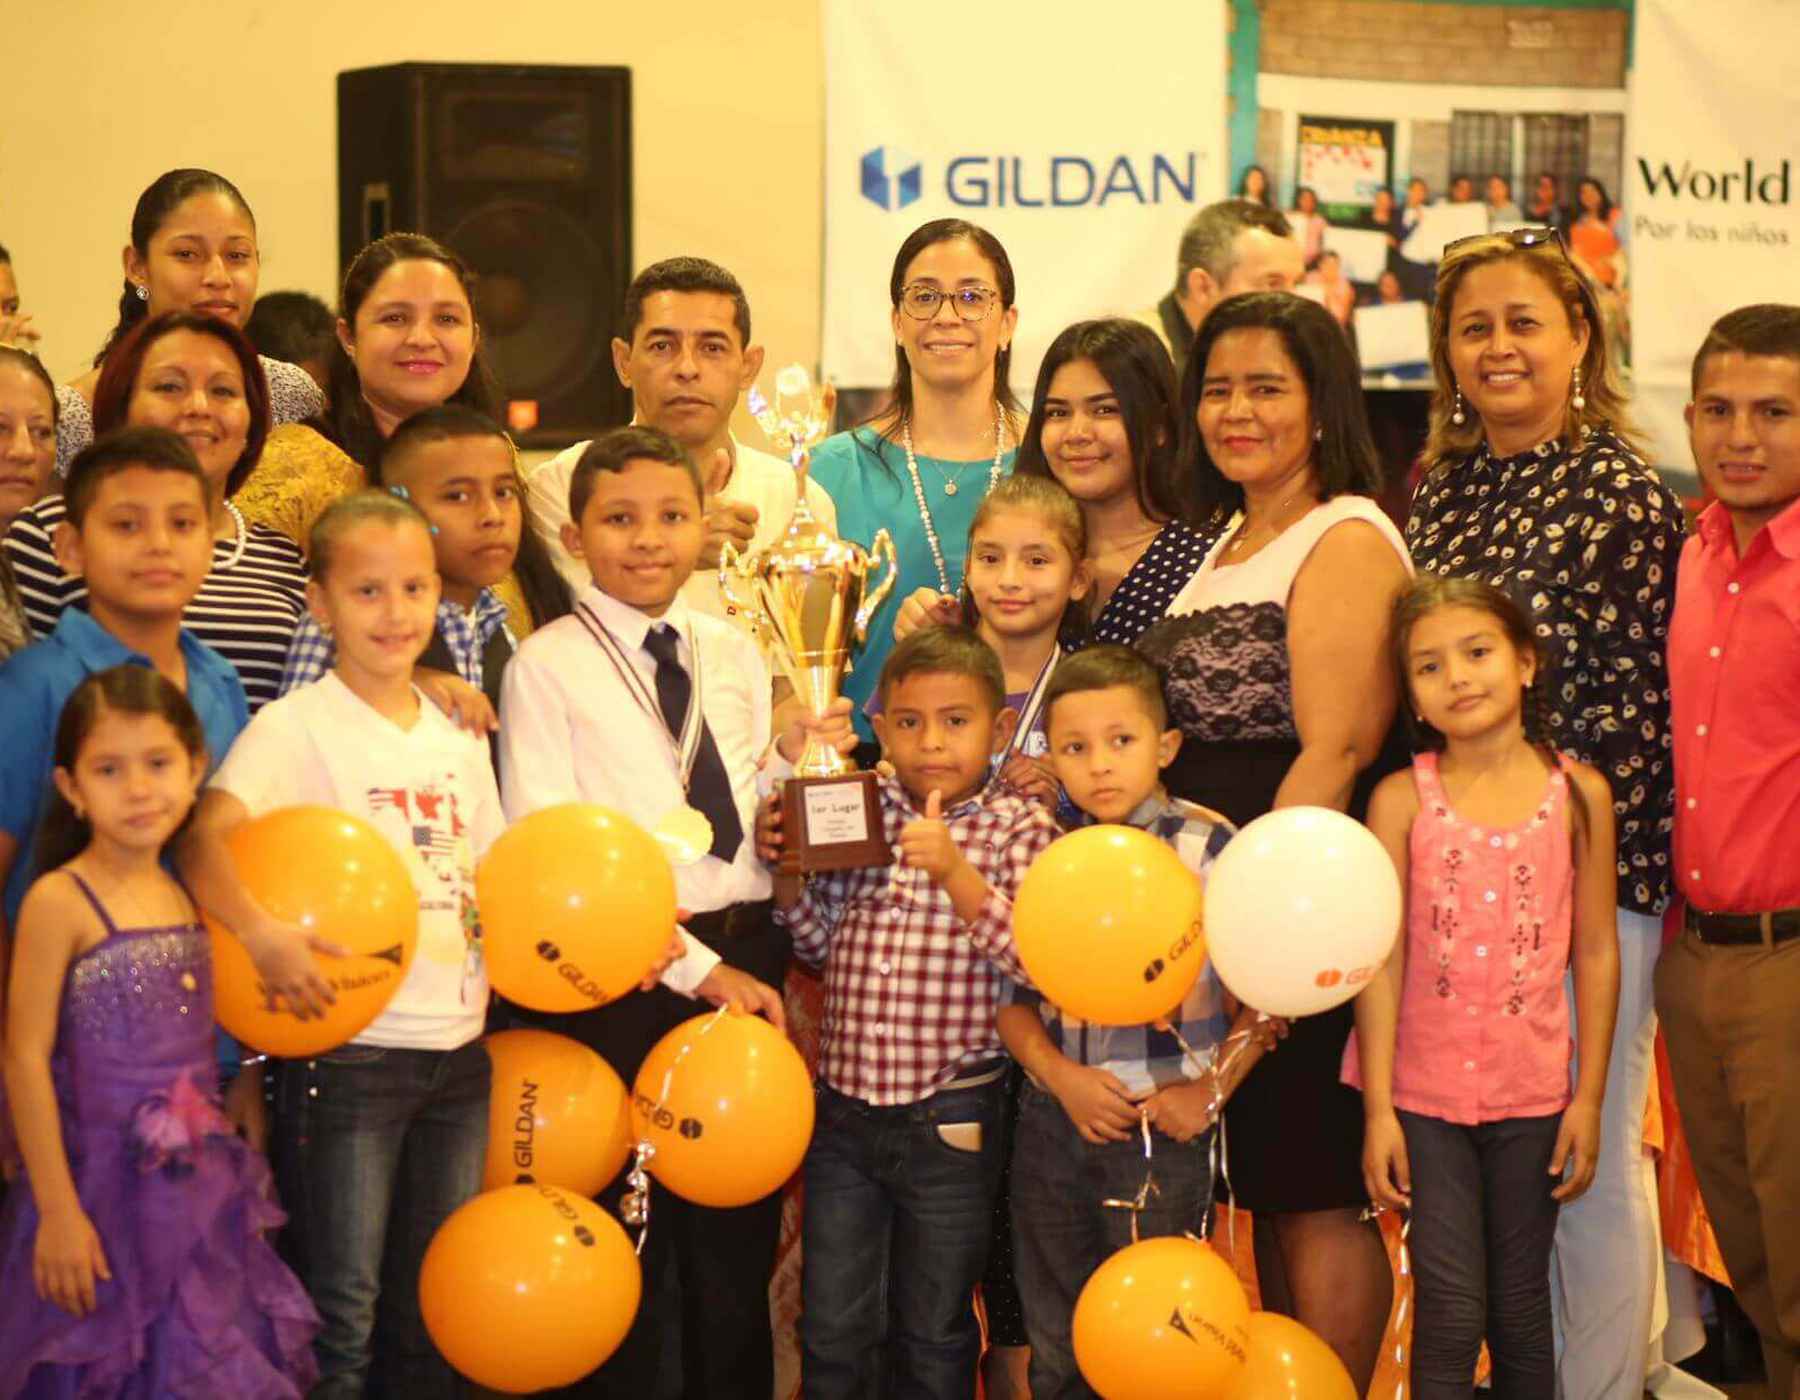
x,y
1462,1045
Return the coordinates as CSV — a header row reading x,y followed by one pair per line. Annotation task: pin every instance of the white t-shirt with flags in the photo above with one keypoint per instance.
x,y
430,791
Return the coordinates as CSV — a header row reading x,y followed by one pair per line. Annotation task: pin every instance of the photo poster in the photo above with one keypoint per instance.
x,y
1344,160
1713,189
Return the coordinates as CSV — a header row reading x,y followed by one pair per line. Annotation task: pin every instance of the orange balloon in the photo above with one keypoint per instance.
x,y
1108,925
336,875
1290,1362
1164,1317
558,1114
528,1287
577,904
728,1105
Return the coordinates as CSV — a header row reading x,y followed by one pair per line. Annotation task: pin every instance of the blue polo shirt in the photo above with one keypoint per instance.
x,y
36,682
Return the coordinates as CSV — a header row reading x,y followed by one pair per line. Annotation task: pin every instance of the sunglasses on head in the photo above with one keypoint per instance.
x,y
1518,237
1537,238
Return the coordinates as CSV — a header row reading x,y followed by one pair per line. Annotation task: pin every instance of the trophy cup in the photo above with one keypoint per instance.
x,y
810,595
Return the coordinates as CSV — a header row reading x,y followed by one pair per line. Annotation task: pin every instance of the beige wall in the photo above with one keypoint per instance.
x,y
102,96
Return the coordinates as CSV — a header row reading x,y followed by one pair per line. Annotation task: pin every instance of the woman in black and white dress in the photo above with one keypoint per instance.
x,y
1275,657
198,376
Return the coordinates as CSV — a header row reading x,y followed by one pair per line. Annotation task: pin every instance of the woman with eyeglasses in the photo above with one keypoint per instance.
x,y
1533,482
921,466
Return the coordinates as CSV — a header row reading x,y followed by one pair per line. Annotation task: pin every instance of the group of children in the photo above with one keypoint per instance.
x,y
135,1249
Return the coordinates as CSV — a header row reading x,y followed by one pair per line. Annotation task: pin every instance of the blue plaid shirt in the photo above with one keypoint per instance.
x,y
1142,1057
312,652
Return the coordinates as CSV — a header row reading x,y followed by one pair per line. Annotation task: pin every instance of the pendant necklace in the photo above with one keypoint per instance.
x,y
918,486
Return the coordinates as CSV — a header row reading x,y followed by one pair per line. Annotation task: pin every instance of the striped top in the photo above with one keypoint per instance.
x,y
246,611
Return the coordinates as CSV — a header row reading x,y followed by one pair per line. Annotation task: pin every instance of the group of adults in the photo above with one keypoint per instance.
x,y
1244,552
1260,575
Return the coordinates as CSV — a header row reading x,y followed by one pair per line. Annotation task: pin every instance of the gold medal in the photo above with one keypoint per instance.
x,y
685,835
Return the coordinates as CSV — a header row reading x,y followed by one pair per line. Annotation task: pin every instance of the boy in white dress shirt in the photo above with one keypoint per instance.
x,y
643,704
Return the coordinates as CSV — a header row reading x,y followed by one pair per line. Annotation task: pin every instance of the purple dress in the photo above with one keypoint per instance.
x,y
199,1303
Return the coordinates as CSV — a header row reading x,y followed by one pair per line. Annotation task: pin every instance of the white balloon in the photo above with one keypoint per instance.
x,y
1302,909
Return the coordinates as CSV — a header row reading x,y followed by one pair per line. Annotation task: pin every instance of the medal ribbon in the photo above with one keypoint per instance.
x,y
685,747
1034,702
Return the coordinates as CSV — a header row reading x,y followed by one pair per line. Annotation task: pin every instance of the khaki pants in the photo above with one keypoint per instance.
x,y
1731,1016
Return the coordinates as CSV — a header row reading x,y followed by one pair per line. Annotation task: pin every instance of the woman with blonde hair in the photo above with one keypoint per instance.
x,y
1534,483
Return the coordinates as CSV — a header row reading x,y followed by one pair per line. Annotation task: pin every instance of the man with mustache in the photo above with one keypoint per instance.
x,y
684,351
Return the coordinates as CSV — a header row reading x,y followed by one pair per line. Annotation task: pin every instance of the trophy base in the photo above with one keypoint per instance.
x,y
832,824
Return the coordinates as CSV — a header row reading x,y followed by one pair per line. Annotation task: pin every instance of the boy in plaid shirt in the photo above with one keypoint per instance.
x,y
905,1157
1090,1090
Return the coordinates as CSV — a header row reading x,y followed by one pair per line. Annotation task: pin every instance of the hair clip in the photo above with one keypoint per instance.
x,y
401,492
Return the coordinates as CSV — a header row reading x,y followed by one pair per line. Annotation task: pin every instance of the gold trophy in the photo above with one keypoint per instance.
x,y
811,595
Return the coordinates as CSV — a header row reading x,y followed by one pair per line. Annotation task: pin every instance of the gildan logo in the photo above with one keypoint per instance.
x,y
891,178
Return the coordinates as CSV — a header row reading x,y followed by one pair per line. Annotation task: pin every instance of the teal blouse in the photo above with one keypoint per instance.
x,y
866,476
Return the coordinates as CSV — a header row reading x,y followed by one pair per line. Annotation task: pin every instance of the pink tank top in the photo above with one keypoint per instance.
x,y
1483,1032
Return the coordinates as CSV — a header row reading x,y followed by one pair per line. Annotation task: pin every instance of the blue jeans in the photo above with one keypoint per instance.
x,y
1482,1222
898,1218
374,1148
1062,1233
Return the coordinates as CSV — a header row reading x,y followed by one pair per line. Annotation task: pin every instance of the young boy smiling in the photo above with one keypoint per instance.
x,y
1090,1088
137,534
642,703
905,1157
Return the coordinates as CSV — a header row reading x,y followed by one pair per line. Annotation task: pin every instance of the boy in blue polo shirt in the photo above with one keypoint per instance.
x,y
139,534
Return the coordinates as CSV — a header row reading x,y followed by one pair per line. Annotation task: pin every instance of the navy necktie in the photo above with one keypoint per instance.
x,y
709,788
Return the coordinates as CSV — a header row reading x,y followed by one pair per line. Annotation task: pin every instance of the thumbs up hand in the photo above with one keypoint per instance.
x,y
725,520
925,842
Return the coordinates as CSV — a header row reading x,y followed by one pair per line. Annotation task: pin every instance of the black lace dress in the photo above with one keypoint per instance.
x,y
1293,1129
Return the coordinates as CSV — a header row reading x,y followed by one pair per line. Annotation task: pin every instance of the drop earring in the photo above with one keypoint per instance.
x,y
1457,416
1576,400
1319,434
143,292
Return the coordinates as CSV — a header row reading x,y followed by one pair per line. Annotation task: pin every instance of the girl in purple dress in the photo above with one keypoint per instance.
x,y
133,1256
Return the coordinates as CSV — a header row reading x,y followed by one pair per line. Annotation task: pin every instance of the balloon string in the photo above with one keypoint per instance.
x,y
1216,1064
634,1205
1403,1299
1139,1203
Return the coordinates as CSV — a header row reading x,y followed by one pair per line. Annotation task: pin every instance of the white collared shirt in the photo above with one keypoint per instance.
x,y
571,731
757,478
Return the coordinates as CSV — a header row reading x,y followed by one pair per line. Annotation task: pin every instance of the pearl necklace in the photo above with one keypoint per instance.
x,y
918,486
237,552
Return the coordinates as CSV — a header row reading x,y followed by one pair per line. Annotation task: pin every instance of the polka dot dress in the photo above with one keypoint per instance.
x,y
1144,594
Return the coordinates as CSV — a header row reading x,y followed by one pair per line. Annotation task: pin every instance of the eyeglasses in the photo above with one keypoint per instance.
x,y
921,301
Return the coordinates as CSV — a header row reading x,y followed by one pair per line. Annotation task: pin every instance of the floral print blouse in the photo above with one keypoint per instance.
x,y
1586,539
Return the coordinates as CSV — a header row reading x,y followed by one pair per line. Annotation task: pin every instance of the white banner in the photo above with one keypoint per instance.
x,y
1713,220
1084,145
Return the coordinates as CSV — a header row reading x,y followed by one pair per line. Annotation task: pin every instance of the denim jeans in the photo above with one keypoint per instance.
x,y
1482,1223
897,1225
1062,1232
374,1148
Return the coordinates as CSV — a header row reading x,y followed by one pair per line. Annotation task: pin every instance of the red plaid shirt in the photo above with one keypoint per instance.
x,y
910,989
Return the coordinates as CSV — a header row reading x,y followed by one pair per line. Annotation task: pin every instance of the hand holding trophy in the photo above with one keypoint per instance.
x,y
812,594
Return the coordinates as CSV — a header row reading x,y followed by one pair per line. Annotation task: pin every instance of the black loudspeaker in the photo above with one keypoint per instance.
x,y
525,172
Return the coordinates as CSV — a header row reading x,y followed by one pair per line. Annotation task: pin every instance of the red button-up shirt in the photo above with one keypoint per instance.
x,y
1734,668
